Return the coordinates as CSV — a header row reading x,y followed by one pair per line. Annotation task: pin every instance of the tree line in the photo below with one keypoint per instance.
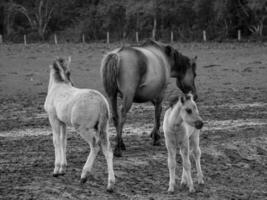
x,y
221,19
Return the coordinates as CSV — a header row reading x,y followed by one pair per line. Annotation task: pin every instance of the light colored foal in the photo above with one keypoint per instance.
x,y
181,126
86,110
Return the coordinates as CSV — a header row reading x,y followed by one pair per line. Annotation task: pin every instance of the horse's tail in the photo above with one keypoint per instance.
x,y
109,73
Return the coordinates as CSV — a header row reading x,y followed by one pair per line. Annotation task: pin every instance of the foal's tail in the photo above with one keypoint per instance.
x,y
109,73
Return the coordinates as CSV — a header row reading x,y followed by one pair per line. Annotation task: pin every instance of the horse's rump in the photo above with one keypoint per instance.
x,y
131,68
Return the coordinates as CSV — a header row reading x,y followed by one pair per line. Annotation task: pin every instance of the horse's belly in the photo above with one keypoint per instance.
x,y
149,92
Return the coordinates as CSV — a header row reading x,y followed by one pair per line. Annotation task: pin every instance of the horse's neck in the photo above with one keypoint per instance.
x,y
176,114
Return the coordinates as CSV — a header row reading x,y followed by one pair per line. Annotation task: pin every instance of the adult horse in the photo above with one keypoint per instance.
x,y
141,74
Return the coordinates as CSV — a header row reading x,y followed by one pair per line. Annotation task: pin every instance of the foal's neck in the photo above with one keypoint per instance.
x,y
53,82
176,114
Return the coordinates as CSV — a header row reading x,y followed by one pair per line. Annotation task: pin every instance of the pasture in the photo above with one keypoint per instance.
x,y
232,88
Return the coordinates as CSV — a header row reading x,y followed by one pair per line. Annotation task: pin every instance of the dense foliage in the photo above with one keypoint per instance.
x,y
70,19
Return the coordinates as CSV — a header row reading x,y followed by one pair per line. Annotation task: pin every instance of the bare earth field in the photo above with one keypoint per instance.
x,y
232,85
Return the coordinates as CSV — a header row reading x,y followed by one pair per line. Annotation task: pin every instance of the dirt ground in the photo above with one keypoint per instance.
x,y
232,87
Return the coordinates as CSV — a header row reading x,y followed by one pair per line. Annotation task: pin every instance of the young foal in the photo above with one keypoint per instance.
x,y
86,110
183,113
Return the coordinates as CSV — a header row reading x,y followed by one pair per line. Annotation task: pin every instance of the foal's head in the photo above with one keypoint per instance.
x,y
183,69
60,70
189,111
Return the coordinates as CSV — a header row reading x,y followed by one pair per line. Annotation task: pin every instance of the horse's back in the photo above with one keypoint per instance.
x,y
144,71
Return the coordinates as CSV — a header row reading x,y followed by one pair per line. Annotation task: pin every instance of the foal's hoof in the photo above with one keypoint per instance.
x,y
110,189
55,175
58,174
83,180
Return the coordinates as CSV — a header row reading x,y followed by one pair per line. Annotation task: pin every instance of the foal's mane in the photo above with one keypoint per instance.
x,y
57,64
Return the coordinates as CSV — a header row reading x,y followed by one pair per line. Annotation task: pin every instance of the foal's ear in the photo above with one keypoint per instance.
x,y
182,99
193,60
173,100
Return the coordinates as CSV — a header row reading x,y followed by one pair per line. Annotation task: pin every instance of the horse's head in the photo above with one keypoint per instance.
x,y
189,111
183,69
61,70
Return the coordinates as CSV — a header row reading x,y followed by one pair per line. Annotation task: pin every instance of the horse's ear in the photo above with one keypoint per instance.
x,y
169,51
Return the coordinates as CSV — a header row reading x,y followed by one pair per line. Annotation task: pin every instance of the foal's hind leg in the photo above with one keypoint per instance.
x,y
194,143
107,151
155,134
63,142
55,124
93,141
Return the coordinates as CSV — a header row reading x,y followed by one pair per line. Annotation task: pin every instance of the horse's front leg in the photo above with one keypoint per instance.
x,y
155,134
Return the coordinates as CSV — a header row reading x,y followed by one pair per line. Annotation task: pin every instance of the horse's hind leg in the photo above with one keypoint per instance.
x,y
194,143
93,141
155,134
125,107
107,151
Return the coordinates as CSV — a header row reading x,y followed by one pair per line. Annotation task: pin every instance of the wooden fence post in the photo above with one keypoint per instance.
x,y
171,37
83,39
239,35
136,37
108,40
204,36
55,38
1,39
25,40
153,34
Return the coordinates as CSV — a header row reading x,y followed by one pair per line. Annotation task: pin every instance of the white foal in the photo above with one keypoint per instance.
x,y
86,110
181,126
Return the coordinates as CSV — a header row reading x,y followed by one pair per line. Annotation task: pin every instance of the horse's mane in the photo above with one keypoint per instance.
x,y
182,61
151,42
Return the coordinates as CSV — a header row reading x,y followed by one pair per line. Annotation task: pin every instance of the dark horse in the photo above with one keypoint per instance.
x,y
141,74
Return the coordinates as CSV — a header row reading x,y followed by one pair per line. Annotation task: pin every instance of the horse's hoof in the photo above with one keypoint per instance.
x,y
183,185
156,143
123,147
117,153
83,180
